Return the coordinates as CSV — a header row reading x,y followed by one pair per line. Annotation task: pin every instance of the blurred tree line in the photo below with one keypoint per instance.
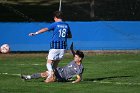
x,y
74,10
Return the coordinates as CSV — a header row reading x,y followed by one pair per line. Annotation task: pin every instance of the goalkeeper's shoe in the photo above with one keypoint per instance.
x,y
26,77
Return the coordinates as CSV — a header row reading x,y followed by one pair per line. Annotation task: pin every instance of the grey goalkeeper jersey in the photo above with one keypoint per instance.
x,y
70,70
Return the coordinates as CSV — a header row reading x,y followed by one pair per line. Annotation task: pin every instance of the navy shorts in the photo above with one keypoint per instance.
x,y
58,76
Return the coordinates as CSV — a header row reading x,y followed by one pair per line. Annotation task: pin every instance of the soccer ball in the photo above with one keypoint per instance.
x,y
5,48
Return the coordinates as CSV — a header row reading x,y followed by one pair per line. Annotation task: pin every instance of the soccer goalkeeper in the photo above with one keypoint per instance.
x,y
74,68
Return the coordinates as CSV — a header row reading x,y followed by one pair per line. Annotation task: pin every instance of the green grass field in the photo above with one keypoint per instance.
x,y
112,73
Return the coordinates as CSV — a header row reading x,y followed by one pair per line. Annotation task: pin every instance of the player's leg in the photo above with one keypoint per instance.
x,y
35,76
55,64
52,63
52,56
44,74
49,65
50,70
50,76
60,56
50,60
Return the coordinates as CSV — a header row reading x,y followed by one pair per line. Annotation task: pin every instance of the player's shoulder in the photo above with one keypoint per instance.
x,y
74,63
54,23
71,62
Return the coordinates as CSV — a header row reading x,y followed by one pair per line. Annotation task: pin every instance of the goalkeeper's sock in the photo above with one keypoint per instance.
x,y
35,76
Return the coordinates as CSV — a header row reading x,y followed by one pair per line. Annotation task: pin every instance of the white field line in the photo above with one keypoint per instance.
x,y
10,74
101,82
116,83
31,64
24,64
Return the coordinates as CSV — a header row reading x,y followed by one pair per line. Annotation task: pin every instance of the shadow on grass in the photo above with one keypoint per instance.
x,y
105,78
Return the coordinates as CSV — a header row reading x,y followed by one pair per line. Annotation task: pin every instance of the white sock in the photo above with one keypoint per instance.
x,y
49,67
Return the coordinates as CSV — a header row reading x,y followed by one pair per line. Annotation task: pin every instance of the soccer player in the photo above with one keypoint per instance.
x,y
58,44
74,68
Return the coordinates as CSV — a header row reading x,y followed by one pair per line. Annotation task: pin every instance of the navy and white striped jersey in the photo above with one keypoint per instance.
x,y
60,33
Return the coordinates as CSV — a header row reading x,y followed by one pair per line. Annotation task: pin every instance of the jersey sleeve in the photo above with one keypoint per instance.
x,y
80,72
72,51
51,26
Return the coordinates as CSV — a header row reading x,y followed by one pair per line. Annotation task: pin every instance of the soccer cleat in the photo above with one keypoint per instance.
x,y
26,77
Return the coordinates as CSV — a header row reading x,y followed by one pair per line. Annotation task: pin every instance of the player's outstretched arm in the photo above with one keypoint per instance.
x,y
72,51
38,32
78,79
69,35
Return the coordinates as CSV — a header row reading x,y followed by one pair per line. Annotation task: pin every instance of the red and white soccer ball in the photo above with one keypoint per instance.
x,y
5,48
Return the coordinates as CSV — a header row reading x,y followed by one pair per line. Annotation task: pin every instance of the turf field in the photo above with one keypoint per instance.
x,y
110,73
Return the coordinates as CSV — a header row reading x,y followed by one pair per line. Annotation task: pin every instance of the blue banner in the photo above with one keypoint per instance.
x,y
98,35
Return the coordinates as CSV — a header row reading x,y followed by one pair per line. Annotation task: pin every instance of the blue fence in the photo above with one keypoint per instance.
x,y
99,35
